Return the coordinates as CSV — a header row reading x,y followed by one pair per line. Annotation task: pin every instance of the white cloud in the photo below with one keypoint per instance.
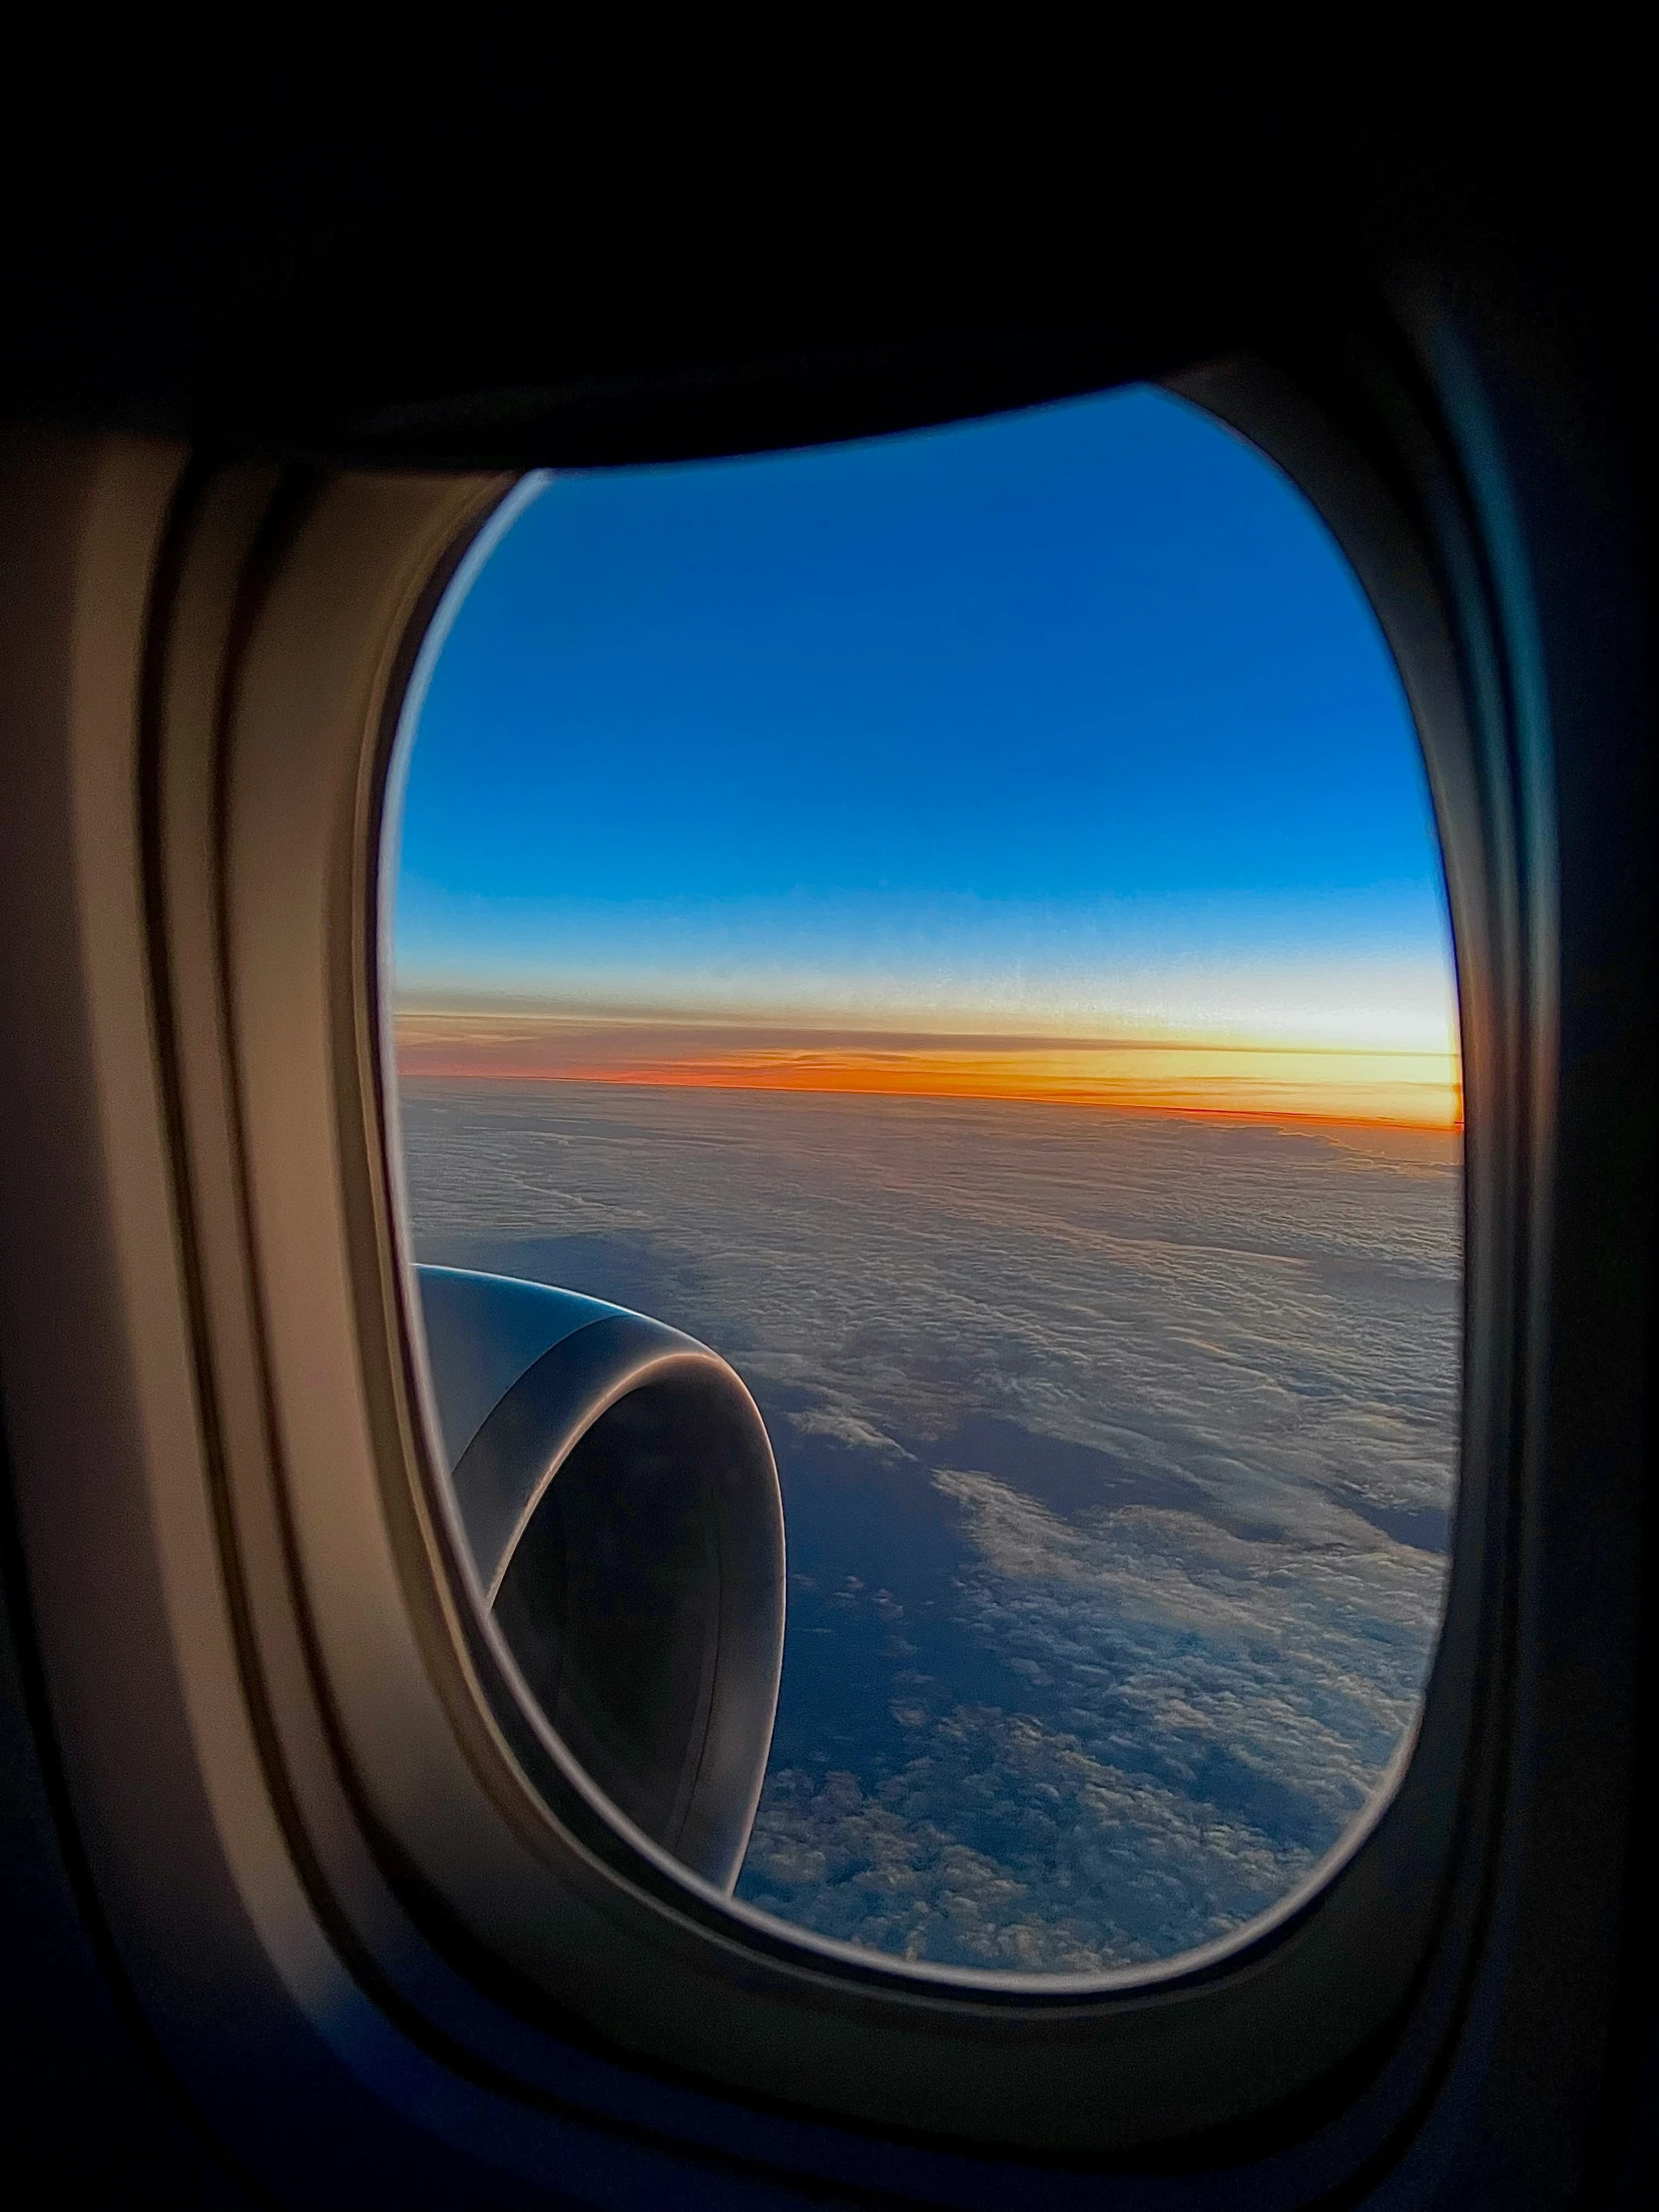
x,y
1247,1332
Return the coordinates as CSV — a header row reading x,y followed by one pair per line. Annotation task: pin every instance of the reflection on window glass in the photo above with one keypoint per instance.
x,y
954,923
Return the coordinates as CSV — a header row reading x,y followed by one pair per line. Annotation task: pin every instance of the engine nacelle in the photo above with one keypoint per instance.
x,y
620,1498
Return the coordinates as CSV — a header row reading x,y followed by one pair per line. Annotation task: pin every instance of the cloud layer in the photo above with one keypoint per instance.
x,y
1118,1454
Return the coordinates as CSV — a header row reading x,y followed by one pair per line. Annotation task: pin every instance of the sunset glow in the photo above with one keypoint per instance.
x,y
1054,760
1403,1088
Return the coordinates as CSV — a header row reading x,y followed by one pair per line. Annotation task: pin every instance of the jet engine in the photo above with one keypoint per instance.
x,y
620,1501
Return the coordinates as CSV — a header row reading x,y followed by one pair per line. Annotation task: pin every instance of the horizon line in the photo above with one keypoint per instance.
x,y
859,1028
1369,1086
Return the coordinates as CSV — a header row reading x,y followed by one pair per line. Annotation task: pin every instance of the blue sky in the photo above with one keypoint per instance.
x,y
1070,719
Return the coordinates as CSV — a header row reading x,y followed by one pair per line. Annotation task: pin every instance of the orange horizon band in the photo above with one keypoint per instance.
x,y
1269,1092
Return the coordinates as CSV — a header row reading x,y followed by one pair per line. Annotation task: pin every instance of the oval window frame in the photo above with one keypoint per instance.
x,y
427,1836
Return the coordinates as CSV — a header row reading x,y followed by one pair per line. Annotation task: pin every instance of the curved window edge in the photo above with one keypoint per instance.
x,y
504,1899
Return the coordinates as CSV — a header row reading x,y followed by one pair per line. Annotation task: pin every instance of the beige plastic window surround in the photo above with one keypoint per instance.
x,y
400,1867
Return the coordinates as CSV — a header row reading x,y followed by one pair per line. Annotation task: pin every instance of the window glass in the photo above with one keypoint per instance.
x,y
954,923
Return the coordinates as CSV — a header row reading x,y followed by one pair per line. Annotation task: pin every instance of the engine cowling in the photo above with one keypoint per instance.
x,y
620,1499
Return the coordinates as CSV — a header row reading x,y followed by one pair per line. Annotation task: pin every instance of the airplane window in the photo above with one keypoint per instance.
x,y
952,924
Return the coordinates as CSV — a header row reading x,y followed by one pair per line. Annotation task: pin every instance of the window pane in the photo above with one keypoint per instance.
x,y
954,923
